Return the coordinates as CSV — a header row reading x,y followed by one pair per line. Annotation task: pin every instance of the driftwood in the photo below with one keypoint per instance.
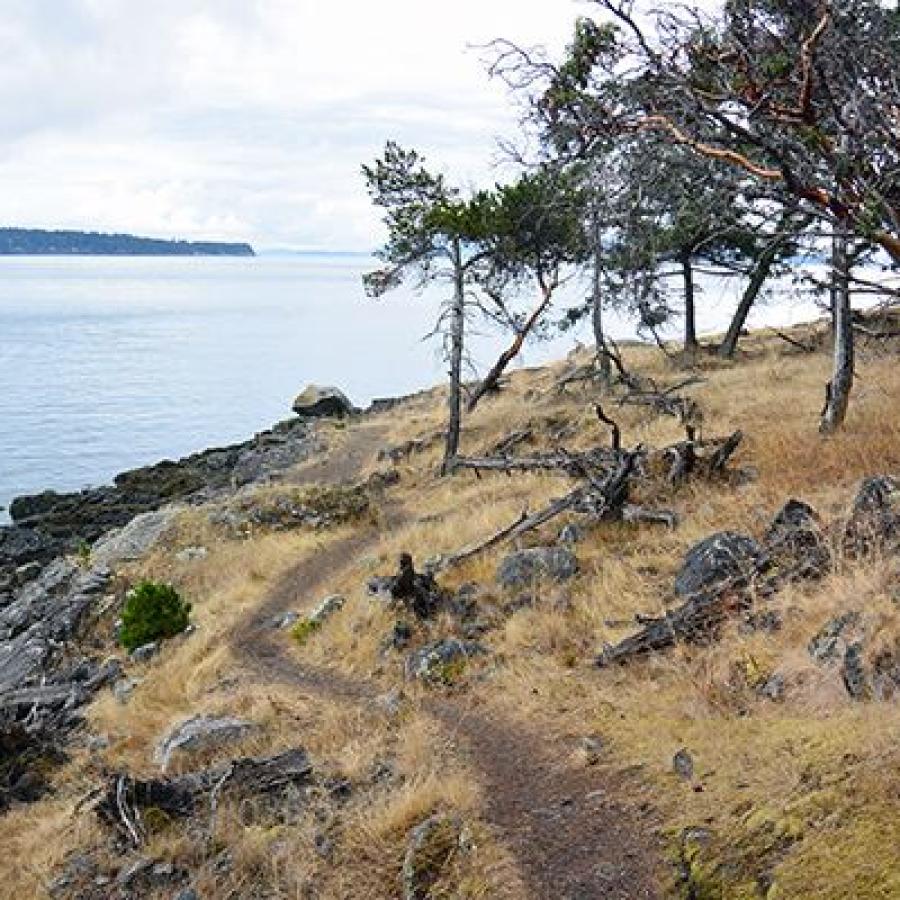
x,y
600,499
696,620
124,797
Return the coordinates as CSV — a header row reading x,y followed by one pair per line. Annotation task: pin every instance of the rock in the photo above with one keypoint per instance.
x,y
286,620
524,567
315,401
830,642
720,558
136,539
886,673
853,672
683,764
571,534
795,544
390,702
145,652
124,688
592,747
874,519
439,661
326,609
773,688
430,845
401,636
200,733
28,572
191,554
186,894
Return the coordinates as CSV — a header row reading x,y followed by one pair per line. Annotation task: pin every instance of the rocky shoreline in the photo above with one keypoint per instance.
x,y
56,578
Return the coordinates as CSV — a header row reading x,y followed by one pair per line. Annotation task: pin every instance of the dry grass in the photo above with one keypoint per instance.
x,y
779,785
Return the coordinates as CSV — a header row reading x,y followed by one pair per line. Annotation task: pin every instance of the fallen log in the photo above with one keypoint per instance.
x,y
695,621
124,798
600,499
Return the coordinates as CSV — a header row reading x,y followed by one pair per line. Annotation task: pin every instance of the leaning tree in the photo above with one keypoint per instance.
x,y
433,238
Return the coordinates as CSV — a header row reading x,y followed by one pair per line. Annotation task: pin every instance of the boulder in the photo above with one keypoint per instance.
x,y
722,557
200,733
326,609
524,567
436,661
316,401
795,544
874,519
833,639
430,846
135,539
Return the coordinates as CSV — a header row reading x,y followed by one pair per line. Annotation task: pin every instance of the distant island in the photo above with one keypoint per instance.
x,y
34,242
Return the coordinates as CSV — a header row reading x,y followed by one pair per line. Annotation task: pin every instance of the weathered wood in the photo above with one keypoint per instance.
x,y
616,432
696,620
524,523
124,797
560,461
641,515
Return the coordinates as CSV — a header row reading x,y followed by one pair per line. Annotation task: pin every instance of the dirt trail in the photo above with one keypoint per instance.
x,y
571,839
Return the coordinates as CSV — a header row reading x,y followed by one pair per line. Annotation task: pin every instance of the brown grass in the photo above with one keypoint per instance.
x,y
780,785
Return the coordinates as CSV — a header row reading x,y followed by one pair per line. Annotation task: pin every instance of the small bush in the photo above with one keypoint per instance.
x,y
152,611
304,629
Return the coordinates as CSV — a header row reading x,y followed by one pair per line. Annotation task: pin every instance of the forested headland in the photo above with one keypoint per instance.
x,y
37,242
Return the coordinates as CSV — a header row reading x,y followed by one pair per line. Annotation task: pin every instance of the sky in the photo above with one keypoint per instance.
x,y
246,119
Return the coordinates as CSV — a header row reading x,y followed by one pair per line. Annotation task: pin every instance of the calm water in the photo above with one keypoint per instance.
x,y
110,363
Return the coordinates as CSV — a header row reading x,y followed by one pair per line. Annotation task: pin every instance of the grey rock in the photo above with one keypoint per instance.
x,y
124,688
720,558
136,539
28,572
430,845
773,688
145,652
830,643
853,673
683,764
187,893
286,620
874,519
795,543
200,733
524,567
571,534
191,554
390,702
326,609
430,662
318,400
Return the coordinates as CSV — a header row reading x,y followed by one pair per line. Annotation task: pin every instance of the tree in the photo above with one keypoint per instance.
x,y
433,237
531,231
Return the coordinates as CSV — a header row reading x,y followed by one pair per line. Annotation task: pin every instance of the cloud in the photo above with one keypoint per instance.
x,y
243,120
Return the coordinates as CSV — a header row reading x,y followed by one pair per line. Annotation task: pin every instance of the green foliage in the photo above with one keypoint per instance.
x,y
83,552
152,611
304,630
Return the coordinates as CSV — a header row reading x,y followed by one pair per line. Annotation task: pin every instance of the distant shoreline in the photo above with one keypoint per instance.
x,y
38,242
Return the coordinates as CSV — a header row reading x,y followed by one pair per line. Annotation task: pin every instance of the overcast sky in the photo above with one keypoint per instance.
x,y
244,119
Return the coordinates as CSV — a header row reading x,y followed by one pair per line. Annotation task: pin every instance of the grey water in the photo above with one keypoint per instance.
x,y
112,363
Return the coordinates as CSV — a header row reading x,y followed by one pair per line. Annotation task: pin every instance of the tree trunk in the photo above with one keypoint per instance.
x,y
761,272
837,391
507,356
690,322
457,329
603,359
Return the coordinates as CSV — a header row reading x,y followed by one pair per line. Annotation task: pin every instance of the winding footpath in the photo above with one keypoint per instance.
x,y
565,825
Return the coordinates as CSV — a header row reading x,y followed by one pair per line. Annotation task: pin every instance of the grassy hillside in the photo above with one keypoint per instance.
x,y
789,797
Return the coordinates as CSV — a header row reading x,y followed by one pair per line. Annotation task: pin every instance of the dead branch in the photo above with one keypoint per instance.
x,y
616,433
524,523
805,348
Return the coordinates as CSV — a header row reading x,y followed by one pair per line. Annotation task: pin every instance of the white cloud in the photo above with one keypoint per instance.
x,y
243,120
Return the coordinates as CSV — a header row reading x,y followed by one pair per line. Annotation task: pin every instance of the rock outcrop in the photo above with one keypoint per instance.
x,y
316,401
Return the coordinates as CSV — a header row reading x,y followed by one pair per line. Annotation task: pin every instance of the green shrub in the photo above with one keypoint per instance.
x,y
152,611
304,630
